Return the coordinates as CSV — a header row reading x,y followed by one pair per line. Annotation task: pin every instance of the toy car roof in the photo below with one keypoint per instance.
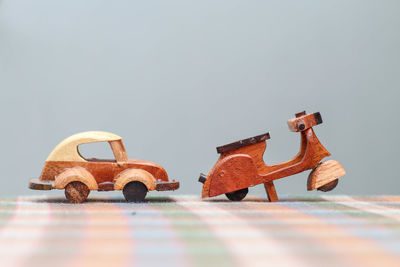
x,y
244,142
67,150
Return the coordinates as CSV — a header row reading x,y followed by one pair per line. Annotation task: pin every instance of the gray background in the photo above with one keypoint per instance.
x,y
177,78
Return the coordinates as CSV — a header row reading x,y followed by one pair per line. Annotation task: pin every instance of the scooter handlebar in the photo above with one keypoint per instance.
x,y
304,121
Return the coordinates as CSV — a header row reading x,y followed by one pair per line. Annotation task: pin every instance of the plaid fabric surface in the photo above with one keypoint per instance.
x,y
186,231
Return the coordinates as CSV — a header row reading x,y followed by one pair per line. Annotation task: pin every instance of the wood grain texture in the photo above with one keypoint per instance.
x,y
37,184
325,173
78,174
244,142
102,171
304,122
233,173
106,186
241,164
67,150
167,186
245,167
271,192
76,192
119,151
134,174
66,165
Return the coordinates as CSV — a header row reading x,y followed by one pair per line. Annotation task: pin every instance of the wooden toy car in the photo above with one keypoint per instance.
x,y
241,164
65,168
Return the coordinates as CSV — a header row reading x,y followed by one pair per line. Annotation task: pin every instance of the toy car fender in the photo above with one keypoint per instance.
x,y
131,175
76,174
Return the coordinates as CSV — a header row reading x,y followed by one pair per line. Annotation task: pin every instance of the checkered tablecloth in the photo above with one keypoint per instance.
x,y
186,231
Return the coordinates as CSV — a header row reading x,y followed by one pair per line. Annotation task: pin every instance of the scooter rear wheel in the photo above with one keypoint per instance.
x,y
329,186
237,195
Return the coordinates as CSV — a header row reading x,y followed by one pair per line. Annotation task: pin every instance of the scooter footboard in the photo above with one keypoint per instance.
x,y
229,174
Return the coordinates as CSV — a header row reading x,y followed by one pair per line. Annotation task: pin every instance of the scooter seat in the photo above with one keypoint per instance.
x,y
244,142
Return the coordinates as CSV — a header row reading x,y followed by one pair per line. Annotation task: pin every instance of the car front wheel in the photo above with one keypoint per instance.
x,y
134,191
76,192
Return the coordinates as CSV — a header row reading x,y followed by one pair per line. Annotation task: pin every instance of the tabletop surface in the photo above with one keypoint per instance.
x,y
187,231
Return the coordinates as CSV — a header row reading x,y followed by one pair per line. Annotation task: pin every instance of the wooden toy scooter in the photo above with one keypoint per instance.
x,y
241,164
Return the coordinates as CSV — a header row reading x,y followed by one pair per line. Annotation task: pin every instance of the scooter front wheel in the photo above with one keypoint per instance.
x,y
329,186
237,195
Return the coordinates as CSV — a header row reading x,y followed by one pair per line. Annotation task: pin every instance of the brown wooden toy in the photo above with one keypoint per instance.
x,y
241,164
65,168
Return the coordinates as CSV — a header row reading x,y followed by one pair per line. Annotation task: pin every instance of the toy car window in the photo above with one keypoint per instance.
x,y
99,151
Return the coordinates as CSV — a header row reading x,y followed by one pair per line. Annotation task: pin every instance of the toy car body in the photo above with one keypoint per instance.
x,y
65,168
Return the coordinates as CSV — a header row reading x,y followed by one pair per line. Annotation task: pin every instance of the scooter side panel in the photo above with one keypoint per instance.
x,y
232,173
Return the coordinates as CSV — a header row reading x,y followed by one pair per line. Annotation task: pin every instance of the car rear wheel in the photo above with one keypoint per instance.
x,y
76,192
237,195
135,191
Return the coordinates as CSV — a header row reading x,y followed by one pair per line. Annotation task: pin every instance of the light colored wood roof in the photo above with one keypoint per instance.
x,y
67,150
